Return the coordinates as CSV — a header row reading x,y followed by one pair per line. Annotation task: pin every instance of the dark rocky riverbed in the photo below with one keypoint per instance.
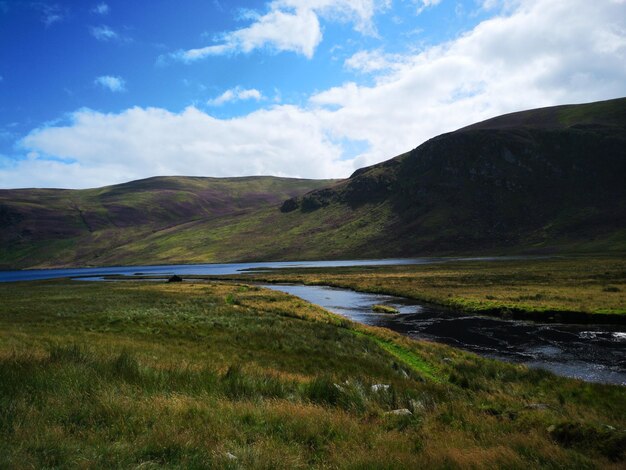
x,y
595,353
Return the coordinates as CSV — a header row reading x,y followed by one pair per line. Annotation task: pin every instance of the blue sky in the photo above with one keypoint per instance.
x,y
96,93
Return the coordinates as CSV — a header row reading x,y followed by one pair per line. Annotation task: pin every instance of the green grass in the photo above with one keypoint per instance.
x,y
211,375
559,287
384,309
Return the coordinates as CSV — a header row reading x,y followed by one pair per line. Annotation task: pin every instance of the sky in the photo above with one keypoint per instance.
x,y
94,93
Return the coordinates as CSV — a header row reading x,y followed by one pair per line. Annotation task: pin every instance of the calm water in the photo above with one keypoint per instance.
x,y
206,269
596,353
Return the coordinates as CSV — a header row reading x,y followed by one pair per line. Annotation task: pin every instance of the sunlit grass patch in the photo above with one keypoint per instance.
x,y
585,285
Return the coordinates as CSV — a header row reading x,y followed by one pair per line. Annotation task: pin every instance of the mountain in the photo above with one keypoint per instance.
x,y
543,180
546,177
48,227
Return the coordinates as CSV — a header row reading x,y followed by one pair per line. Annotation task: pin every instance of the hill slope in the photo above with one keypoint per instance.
x,y
550,176
544,179
57,227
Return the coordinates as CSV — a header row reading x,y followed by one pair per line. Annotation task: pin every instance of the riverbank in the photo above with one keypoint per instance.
x,y
211,374
559,289
594,353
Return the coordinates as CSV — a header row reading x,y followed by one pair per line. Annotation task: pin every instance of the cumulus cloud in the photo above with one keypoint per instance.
x,y
114,84
289,25
103,33
101,9
283,141
236,94
542,53
545,52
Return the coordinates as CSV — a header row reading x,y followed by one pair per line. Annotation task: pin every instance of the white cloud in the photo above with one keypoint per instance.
x,y
101,9
423,4
373,61
114,84
283,141
236,94
289,25
103,33
545,52
358,12
51,13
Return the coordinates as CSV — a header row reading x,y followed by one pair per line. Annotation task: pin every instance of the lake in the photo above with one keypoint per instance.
x,y
200,269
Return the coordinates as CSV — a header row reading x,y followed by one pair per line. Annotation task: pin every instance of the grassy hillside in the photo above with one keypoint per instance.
x,y
506,185
537,181
209,375
543,178
55,226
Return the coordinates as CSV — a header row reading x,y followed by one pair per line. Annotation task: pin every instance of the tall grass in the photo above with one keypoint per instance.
x,y
177,376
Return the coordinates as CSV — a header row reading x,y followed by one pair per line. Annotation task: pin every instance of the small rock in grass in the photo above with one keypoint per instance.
x,y
417,405
400,412
537,406
230,456
379,387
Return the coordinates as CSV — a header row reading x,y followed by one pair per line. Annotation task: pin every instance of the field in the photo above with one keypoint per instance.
x,y
576,288
226,375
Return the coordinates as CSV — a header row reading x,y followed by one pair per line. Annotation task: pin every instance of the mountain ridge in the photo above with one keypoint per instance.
x,y
512,173
543,180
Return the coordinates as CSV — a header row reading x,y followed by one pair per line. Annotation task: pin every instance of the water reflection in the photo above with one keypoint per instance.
x,y
595,353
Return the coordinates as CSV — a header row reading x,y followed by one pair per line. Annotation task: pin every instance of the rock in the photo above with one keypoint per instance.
x,y
537,406
551,428
416,405
399,412
290,205
379,387
230,456
175,278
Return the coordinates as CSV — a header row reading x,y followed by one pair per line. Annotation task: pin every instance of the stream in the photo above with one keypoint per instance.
x,y
595,353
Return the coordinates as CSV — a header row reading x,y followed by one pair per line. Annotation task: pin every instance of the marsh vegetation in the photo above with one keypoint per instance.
x,y
218,375
574,287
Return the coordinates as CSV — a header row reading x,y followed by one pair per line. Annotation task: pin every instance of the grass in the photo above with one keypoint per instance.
x,y
380,308
213,375
563,288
